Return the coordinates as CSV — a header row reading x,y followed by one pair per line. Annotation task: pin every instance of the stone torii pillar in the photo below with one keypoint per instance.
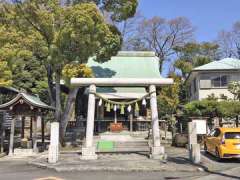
x,y
157,151
88,151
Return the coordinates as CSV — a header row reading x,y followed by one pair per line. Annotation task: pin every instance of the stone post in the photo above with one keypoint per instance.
x,y
88,151
193,146
157,151
11,140
53,152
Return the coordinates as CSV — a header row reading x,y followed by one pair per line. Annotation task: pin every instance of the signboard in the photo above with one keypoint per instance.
x,y
201,126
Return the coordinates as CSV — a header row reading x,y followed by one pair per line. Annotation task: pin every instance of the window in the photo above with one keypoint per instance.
x,y
205,82
232,135
220,81
194,85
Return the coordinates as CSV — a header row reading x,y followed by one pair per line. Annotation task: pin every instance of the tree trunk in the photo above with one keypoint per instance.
x,y
80,110
160,62
58,95
69,108
51,90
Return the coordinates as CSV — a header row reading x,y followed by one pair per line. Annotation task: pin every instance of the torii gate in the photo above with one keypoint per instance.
x,y
88,151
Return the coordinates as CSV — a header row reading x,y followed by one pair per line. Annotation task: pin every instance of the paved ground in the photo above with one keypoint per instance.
x,y
177,161
20,170
12,169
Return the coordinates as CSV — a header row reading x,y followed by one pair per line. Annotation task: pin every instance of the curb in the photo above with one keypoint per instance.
x,y
106,168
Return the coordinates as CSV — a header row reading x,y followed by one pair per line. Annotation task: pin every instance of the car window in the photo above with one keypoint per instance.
x,y
232,135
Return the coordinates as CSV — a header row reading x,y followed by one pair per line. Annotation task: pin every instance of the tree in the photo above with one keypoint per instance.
x,y
168,101
193,55
66,35
129,31
161,35
5,74
119,10
204,108
229,42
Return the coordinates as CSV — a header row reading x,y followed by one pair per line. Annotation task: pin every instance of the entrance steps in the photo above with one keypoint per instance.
x,y
122,143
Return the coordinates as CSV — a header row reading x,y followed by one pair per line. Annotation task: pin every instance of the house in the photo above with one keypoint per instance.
x,y
213,78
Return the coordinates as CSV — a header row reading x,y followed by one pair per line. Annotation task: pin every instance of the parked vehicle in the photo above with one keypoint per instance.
x,y
223,143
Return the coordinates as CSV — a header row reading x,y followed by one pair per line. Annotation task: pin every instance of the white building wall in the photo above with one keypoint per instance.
x,y
200,94
204,93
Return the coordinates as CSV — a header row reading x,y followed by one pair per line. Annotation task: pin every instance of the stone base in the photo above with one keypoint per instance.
x,y
88,153
53,154
157,153
194,153
22,152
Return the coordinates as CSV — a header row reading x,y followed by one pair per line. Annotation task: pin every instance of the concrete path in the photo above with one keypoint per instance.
x,y
19,169
233,173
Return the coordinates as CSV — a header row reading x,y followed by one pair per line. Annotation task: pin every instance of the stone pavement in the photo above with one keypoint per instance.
x,y
177,161
177,165
233,173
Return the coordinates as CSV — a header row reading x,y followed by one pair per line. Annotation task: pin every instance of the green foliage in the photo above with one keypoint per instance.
x,y
119,9
76,70
23,50
228,108
201,108
168,100
5,74
212,108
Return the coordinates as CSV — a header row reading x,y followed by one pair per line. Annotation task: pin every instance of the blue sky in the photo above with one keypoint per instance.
x,y
208,16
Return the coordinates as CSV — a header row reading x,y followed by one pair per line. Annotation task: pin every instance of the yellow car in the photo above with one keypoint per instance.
x,y
223,143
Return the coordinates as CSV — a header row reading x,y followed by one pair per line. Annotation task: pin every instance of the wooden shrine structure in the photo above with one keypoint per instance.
x,y
21,107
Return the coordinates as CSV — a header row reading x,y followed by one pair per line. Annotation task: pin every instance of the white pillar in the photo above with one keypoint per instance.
x,y
88,151
53,152
193,146
157,151
11,140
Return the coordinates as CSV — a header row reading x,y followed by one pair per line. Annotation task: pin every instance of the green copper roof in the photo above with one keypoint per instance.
x,y
224,64
127,64
32,100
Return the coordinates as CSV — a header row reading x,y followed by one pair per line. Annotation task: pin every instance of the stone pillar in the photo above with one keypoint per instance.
x,y
88,151
157,151
193,146
11,140
53,152
34,137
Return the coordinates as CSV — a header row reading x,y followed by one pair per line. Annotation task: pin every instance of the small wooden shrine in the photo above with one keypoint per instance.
x,y
27,109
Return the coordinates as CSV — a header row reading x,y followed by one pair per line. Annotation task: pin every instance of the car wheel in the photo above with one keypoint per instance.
x,y
218,155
